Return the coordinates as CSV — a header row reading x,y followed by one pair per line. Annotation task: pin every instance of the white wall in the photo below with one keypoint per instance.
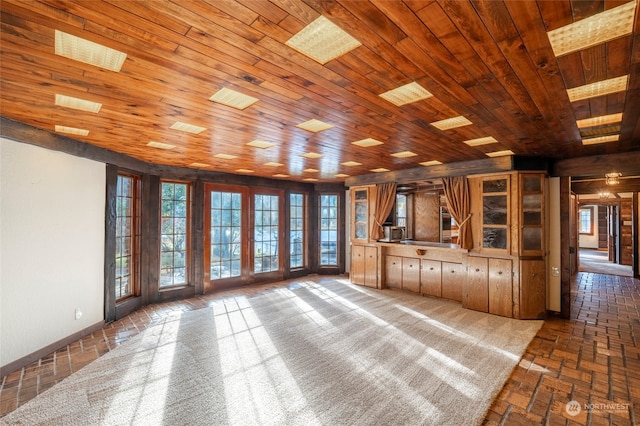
x,y
51,247
553,238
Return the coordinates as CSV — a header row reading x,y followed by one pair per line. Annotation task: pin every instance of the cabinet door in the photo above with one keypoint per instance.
x,y
357,264
360,214
500,287
411,274
431,278
453,276
393,271
533,289
370,267
476,289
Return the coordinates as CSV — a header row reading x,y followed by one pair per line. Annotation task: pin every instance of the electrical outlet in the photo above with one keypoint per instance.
x,y
78,313
555,271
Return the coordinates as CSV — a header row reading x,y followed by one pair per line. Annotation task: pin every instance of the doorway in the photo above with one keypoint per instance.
x,y
601,246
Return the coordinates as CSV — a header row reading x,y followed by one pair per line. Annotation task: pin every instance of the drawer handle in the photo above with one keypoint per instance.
x,y
453,272
431,269
533,275
499,272
477,270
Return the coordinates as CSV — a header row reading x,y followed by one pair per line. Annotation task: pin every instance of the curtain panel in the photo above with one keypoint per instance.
x,y
385,198
456,191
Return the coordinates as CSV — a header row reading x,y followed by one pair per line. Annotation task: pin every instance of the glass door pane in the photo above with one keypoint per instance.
x,y
226,232
266,231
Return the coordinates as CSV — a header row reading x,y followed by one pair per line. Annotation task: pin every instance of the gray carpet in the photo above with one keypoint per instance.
x,y
310,352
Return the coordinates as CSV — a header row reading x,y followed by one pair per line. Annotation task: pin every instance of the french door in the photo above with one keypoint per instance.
x,y
244,235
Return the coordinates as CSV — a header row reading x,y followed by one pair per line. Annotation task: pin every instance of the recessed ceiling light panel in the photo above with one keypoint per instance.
x,y
233,99
431,163
200,165
365,143
245,171
596,29
342,175
351,163
379,170
500,153
280,175
71,130
481,141
322,41
404,154
273,164
451,123
88,52
311,170
261,144
311,155
226,156
600,139
599,121
186,127
314,126
599,88
406,94
160,145
77,103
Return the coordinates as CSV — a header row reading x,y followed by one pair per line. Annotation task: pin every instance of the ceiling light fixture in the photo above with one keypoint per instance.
x,y
233,99
186,127
77,103
314,126
226,156
406,94
88,52
311,155
273,164
431,163
71,130
599,88
481,141
600,139
200,165
451,123
500,153
365,143
598,121
322,41
245,171
160,145
351,163
404,154
612,178
261,144
342,175
380,170
596,29
311,170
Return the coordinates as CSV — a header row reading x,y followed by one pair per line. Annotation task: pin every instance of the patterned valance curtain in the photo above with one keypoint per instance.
x,y
385,198
456,191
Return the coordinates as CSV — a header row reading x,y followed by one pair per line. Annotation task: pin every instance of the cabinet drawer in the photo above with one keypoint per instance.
x,y
431,278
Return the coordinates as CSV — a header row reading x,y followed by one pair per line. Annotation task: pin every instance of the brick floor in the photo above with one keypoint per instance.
x,y
593,359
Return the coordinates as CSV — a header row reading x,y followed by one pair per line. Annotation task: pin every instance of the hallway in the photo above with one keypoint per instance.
x,y
596,261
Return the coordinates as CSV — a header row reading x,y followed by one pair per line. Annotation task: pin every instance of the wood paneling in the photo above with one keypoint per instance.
x,y
426,206
489,61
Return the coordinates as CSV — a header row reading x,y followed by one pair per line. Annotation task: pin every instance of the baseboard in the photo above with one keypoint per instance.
x,y
40,353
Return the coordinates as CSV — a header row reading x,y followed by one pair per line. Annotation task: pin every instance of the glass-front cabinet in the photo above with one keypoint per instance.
x,y
495,213
531,214
360,212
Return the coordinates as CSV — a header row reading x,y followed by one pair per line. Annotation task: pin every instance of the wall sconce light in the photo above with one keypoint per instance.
x,y
604,195
613,178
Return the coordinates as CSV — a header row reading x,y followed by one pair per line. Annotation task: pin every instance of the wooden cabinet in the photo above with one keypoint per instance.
x,y
500,287
431,278
393,271
496,214
361,210
453,277
531,214
533,289
411,274
475,294
364,265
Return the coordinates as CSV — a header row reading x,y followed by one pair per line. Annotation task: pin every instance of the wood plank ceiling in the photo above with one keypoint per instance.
x,y
489,61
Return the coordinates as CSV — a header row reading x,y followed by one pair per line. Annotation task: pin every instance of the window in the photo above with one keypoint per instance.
x,y
401,210
296,235
173,233
225,237
127,228
586,220
328,230
266,219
